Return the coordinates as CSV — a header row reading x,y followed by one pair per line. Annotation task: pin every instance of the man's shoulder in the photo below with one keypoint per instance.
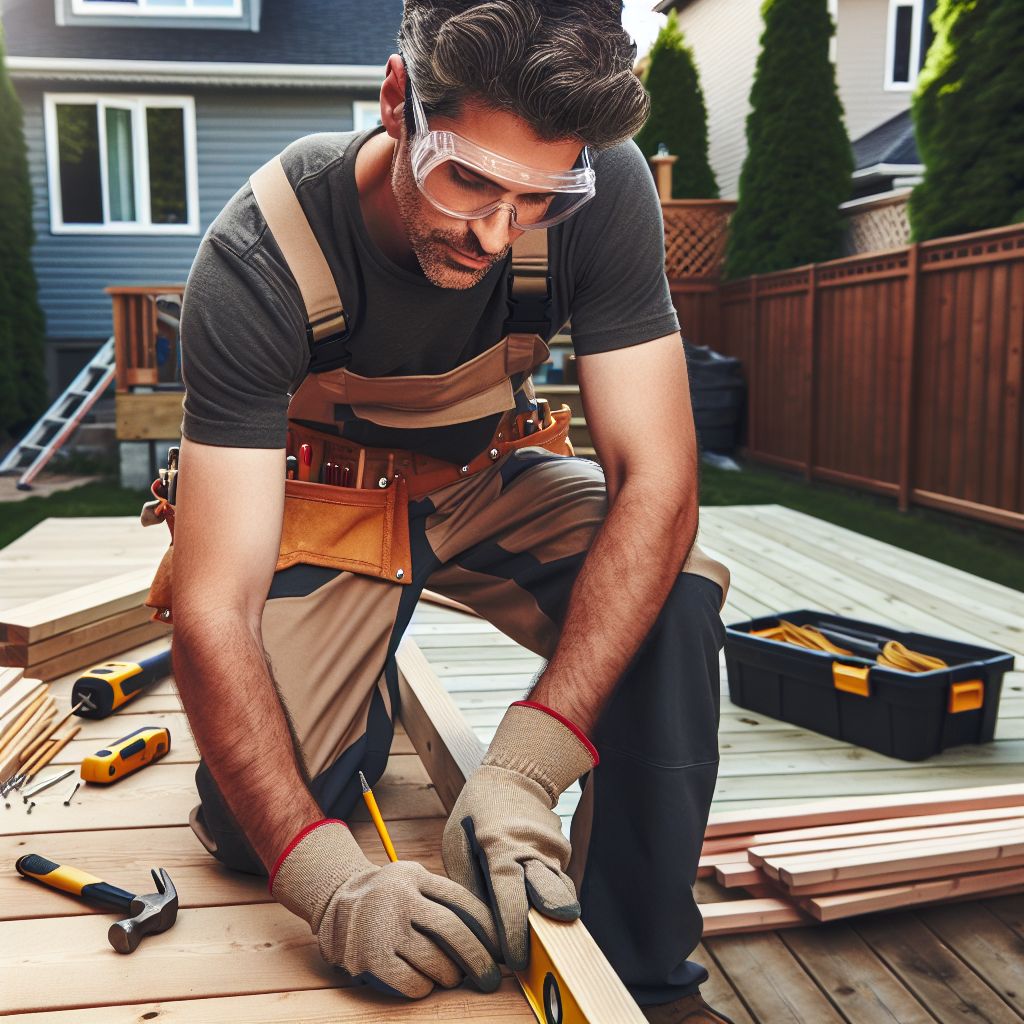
x,y
240,225
619,164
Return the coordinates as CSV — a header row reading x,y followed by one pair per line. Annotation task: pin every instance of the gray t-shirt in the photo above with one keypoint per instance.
x,y
244,348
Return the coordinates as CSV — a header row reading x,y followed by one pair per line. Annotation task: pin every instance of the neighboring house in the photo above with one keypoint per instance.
x,y
144,117
878,49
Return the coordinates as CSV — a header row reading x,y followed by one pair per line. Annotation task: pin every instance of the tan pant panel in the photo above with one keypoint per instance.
x,y
327,652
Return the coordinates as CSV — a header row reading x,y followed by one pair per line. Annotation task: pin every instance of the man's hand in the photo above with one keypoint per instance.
x,y
397,928
503,840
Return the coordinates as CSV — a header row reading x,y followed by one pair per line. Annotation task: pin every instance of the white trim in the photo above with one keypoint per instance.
x,y
142,9
365,114
138,106
81,69
852,204
916,28
888,169
833,42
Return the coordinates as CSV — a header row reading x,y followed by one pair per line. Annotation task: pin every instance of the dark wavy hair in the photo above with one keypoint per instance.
x,y
566,68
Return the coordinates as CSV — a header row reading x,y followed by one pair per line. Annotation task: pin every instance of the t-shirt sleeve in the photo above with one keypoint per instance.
x,y
621,295
243,350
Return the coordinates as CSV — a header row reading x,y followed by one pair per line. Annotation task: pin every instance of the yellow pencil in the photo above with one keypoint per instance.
x,y
378,821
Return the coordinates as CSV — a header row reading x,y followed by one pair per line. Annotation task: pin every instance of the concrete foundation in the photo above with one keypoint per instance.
x,y
141,460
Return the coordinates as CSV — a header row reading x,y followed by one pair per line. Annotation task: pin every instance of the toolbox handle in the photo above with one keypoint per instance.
x,y
851,678
968,695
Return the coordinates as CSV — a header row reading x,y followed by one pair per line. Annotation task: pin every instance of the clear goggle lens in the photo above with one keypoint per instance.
x,y
460,191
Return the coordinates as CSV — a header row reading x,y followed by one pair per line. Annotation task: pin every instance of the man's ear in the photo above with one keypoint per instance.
x,y
392,96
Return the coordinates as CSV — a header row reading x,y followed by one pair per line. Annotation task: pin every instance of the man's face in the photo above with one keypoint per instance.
x,y
456,253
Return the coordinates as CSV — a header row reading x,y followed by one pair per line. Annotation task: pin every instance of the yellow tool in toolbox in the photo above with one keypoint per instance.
x,y
127,755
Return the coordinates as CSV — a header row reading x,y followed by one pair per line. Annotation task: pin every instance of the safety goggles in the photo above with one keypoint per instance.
x,y
465,180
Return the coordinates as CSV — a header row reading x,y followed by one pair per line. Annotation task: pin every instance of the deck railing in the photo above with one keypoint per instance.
x,y
145,344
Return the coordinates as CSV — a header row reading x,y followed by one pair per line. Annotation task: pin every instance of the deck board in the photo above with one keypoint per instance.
x,y
234,955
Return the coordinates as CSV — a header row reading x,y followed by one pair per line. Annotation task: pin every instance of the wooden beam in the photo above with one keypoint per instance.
x,y
898,857
39,620
145,416
830,908
858,808
451,751
758,854
749,915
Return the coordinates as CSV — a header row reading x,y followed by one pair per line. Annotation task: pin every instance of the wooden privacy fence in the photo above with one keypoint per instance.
x,y
898,372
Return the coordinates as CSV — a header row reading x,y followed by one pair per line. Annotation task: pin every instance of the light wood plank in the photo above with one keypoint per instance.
x,y
200,879
311,1006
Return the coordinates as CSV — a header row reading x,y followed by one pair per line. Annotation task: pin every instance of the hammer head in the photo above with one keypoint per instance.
x,y
150,914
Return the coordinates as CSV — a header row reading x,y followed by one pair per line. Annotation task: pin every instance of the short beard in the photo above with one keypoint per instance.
x,y
431,245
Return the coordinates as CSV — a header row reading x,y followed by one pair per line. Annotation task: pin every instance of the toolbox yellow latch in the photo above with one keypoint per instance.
x,y
966,696
851,678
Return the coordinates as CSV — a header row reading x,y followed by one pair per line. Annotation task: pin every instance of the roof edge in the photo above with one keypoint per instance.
x,y
83,69
886,170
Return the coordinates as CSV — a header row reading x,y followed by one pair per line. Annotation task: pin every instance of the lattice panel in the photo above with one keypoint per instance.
x,y
876,228
695,236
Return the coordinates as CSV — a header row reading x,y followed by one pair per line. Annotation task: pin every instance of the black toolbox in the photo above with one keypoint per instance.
x,y
908,715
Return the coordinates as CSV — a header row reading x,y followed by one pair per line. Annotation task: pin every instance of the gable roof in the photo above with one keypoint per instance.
x,y
892,143
292,32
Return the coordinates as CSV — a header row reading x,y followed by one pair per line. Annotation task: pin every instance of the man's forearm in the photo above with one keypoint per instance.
x,y
625,579
240,727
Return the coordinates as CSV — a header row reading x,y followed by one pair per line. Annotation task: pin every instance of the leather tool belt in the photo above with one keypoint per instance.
x,y
365,528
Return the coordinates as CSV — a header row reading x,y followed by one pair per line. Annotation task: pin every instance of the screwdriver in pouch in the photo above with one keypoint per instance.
x,y
104,688
127,755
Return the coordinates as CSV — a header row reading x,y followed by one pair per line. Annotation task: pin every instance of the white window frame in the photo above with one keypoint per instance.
x,y
833,10
365,114
916,28
144,9
138,105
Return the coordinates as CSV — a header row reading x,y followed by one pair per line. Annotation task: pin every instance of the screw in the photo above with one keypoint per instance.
x,y
400,574
464,470
30,806
71,795
382,482
493,454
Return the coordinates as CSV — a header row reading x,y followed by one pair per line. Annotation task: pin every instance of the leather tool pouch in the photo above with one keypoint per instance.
x,y
361,530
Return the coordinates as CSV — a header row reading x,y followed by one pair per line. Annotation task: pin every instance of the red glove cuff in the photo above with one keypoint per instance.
x,y
295,842
572,727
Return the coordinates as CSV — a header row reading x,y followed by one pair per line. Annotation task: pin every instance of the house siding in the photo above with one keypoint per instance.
x,y
860,48
725,37
236,132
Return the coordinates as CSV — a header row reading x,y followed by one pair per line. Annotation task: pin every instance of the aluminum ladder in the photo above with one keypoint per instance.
x,y
58,423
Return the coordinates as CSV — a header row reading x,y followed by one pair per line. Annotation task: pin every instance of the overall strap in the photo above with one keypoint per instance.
x,y
326,323
529,286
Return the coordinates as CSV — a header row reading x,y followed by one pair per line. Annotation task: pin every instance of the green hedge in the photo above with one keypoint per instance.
x,y
798,165
22,329
969,118
678,117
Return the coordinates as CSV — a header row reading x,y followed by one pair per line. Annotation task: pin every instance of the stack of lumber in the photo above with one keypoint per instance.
x,y
78,628
835,859
29,736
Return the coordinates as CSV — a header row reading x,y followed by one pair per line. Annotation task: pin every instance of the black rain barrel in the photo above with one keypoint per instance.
x,y
718,394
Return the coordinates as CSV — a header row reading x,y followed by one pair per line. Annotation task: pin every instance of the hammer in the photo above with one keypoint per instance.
x,y
149,915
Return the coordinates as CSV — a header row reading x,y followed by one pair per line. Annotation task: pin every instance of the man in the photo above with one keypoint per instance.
x,y
498,118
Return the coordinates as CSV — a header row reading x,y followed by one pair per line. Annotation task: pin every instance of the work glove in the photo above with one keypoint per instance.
x,y
503,840
397,928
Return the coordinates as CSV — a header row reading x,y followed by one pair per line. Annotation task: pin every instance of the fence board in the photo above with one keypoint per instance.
x,y
899,372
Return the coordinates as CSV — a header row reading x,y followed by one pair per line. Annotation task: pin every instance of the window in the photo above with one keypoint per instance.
x,y
163,8
365,114
907,41
121,164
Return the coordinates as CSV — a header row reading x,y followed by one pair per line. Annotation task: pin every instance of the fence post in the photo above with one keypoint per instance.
x,y
907,397
812,366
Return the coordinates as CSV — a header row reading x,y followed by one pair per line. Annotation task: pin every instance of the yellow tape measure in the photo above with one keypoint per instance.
x,y
127,755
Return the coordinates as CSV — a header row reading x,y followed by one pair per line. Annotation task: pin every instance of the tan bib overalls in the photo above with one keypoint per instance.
x,y
506,535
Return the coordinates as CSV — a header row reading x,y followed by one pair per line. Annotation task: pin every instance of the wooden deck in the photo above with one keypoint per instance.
x,y
234,955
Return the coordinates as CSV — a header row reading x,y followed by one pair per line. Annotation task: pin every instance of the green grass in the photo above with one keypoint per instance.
x,y
978,548
101,498
987,551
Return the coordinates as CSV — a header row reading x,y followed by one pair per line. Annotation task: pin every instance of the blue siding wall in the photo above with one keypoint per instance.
x,y
237,131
